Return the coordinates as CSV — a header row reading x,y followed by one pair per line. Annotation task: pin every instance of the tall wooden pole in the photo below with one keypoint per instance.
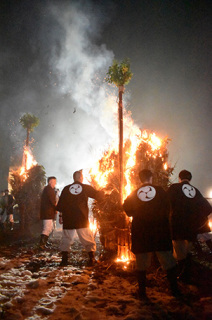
x,y
27,138
25,154
120,115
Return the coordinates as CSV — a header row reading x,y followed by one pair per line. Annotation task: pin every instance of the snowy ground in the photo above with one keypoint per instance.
x,y
33,286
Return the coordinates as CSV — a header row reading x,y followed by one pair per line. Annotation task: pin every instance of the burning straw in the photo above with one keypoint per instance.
x,y
142,150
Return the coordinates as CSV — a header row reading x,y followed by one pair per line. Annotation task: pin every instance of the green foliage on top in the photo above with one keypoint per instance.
x,y
119,74
29,121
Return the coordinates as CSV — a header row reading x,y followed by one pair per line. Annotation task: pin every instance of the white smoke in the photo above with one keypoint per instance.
x,y
83,121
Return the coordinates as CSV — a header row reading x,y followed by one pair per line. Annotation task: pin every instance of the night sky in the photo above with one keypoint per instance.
x,y
55,54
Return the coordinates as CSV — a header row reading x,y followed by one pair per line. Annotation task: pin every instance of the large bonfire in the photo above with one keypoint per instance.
x,y
27,183
117,171
143,150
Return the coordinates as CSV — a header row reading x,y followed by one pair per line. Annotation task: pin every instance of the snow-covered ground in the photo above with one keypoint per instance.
x,y
33,286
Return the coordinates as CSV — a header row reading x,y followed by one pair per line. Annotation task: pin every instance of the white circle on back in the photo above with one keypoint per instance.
x,y
146,193
75,189
189,191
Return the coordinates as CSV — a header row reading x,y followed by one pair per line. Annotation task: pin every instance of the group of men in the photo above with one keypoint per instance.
x,y
164,223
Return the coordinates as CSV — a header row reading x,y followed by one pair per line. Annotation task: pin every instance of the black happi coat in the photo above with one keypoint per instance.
x,y
48,203
73,203
8,202
150,225
189,211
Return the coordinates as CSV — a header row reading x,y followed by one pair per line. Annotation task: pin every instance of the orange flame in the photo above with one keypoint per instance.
x,y
27,163
93,226
165,166
122,259
105,166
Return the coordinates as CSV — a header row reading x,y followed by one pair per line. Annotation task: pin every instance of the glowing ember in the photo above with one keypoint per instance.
x,y
122,259
93,226
125,261
165,166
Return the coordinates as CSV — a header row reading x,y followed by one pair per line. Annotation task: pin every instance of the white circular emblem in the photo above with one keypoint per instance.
x,y
146,193
188,191
75,189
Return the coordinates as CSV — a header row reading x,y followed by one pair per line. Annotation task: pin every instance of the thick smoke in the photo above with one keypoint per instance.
x,y
82,122
62,85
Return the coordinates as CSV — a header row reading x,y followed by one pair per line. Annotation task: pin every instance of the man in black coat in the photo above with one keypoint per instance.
x,y
47,210
149,207
73,208
189,212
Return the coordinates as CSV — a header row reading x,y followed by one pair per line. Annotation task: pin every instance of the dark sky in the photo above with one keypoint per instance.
x,y
55,54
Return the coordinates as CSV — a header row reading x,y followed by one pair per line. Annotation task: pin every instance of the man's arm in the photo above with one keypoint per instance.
x,y
52,197
59,206
11,200
128,206
94,194
205,207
